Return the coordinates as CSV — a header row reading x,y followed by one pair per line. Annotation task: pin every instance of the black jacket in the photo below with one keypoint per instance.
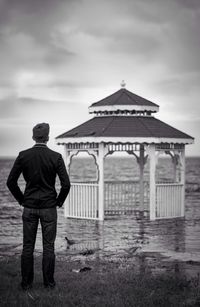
x,y
39,166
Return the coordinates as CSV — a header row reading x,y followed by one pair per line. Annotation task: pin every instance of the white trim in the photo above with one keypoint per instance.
x,y
85,184
123,108
172,184
121,114
124,140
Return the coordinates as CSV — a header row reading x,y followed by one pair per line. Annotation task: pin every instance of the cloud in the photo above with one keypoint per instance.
x,y
189,4
19,115
180,85
58,57
182,43
29,39
66,38
29,110
36,19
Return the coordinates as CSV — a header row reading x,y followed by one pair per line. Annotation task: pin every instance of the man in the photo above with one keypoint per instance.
x,y
39,166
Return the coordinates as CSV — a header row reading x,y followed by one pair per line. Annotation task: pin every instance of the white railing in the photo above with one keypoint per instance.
x,y
124,196
169,200
121,197
82,201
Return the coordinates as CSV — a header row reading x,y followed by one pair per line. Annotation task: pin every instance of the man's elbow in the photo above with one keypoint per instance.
x,y
9,183
67,187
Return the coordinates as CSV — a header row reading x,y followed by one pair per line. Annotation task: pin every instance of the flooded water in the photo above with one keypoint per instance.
x,y
172,244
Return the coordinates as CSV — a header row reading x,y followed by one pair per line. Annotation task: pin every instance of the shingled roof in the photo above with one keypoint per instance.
x,y
128,116
123,97
123,100
125,126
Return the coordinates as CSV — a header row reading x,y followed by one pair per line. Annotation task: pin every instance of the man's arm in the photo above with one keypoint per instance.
x,y
12,181
64,181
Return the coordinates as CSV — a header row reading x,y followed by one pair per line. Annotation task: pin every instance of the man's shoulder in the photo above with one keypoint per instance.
x,y
53,152
47,150
25,151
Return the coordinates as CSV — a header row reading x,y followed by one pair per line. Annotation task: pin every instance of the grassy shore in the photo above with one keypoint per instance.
x,y
106,284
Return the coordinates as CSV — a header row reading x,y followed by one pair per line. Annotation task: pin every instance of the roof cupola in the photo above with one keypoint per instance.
x,y
123,102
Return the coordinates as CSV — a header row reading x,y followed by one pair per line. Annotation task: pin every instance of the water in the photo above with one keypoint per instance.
x,y
163,245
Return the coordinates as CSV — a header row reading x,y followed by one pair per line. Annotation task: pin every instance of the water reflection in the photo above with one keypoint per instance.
x,y
156,246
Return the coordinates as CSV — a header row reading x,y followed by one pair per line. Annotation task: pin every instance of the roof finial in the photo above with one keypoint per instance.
x,y
123,84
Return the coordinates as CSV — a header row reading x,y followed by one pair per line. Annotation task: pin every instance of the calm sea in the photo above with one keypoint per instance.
x,y
174,239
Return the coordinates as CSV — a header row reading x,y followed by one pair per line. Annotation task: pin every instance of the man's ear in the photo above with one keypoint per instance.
x,y
33,138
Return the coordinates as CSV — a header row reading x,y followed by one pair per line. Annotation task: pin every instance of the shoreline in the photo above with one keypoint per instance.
x,y
154,261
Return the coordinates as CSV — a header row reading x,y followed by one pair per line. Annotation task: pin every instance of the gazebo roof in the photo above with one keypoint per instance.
x,y
124,117
123,100
125,127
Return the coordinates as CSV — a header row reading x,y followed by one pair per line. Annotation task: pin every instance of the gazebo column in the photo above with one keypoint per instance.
x,y
175,161
152,184
176,171
141,166
67,158
101,154
182,179
141,161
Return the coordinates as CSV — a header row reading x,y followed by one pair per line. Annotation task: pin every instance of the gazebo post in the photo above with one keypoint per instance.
x,y
67,157
182,157
152,183
141,166
175,161
101,181
67,164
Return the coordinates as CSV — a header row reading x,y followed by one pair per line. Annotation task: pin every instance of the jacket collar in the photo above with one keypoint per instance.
x,y
40,145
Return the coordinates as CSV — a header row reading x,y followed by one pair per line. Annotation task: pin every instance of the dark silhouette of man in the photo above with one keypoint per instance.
x,y
39,166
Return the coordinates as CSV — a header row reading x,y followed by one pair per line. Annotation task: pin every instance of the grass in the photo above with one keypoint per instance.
x,y
107,284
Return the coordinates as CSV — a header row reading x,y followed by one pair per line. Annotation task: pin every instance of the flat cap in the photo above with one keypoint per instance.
x,y
41,132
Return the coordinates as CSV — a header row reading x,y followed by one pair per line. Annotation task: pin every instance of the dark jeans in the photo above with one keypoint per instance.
x,y
48,220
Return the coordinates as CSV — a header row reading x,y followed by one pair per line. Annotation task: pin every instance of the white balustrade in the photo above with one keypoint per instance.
x,y
169,200
82,201
121,197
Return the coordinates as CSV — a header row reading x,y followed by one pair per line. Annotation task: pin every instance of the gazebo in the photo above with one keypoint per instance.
x,y
125,122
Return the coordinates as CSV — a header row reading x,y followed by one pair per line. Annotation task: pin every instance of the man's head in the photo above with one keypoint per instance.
x,y
41,133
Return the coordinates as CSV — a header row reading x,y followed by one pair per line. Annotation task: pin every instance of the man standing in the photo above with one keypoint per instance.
x,y
39,166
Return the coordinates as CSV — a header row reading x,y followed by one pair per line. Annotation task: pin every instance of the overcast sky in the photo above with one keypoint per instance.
x,y
57,57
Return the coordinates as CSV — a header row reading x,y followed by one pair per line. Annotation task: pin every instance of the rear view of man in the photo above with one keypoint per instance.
x,y
39,166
